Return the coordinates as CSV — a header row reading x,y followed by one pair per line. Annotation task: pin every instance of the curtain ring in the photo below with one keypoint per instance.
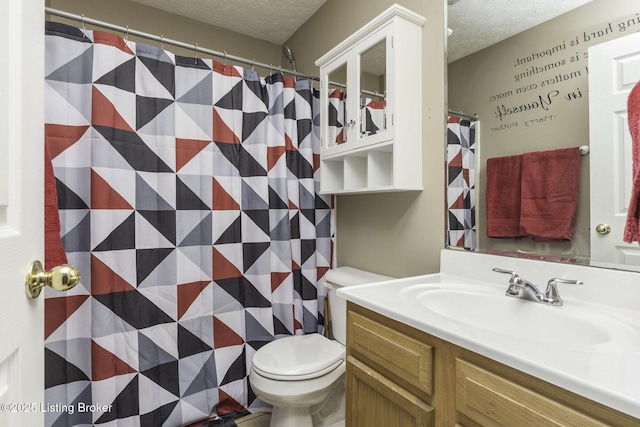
x,y
253,64
84,27
161,42
224,61
195,59
126,35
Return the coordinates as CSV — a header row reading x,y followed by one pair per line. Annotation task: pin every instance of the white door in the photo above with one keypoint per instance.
x,y
614,68
21,209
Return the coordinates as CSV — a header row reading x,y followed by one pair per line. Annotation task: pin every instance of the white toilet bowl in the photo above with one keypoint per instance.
x,y
295,374
299,375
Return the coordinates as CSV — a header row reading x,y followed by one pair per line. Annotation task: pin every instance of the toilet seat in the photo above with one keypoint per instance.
x,y
298,357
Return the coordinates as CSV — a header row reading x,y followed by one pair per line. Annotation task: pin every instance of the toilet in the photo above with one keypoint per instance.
x,y
302,376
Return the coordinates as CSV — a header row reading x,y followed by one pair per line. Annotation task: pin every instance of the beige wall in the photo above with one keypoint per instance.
x,y
511,73
154,21
398,234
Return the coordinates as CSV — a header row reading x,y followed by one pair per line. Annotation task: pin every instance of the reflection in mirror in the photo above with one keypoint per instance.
x,y
461,175
531,92
337,114
372,89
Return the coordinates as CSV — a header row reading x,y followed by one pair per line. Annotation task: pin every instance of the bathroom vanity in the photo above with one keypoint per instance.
x,y
415,358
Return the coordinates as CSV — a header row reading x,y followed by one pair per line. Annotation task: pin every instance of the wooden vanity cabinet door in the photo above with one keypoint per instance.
x,y
373,400
491,400
404,359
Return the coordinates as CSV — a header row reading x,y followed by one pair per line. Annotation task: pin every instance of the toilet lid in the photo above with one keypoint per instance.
x,y
298,357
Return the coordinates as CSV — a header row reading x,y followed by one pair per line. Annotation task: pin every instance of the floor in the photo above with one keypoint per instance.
x,y
254,420
260,419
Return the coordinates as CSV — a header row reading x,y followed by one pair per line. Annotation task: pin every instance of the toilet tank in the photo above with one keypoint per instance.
x,y
336,278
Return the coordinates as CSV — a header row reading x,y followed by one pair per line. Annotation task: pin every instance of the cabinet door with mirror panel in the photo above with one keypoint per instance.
x,y
356,103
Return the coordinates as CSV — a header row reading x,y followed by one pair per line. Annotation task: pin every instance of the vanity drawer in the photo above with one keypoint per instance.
x,y
494,401
402,358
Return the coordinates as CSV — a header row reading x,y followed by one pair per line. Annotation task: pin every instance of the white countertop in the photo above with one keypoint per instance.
x,y
606,374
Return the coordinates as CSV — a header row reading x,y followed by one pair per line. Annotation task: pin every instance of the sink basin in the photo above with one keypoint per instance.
x,y
488,309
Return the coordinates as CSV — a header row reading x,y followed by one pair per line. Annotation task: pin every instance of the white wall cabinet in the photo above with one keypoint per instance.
x,y
373,141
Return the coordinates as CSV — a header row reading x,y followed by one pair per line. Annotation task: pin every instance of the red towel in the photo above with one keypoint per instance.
x,y
503,196
54,253
549,198
632,226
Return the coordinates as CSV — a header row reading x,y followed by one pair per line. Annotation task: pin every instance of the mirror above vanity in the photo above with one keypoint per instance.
x,y
531,93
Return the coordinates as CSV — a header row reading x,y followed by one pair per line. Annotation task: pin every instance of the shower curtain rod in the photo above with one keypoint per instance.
x,y
366,92
161,39
473,116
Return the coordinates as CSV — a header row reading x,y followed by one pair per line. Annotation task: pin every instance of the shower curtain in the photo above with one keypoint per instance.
x,y
188,198
461,147
372,116
337,117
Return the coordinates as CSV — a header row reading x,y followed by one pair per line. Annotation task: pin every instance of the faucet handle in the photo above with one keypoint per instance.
x,y
515,282
569,281
552,294
512,273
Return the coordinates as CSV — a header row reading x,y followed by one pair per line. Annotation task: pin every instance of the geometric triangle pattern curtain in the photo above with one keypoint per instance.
x,y
461,147
336,117
188,199
372,116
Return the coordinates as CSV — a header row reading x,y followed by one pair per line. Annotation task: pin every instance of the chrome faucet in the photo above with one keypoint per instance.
x,y
550,296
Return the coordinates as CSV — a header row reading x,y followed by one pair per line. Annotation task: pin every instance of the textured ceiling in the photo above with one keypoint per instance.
x,y
476,24
273,21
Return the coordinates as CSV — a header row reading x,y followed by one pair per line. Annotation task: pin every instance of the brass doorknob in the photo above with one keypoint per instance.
x,y
60,278
603,228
